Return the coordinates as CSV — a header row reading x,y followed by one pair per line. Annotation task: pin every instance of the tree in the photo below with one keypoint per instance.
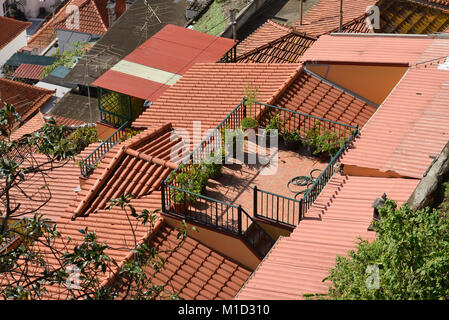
x,y
35,255
409,259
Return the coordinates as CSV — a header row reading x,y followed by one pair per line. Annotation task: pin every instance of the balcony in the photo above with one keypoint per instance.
x,y
258,183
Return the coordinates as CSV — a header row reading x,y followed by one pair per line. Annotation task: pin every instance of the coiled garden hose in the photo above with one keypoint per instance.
x,y
302,181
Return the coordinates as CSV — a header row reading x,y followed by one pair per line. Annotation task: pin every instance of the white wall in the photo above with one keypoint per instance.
x,y
7,51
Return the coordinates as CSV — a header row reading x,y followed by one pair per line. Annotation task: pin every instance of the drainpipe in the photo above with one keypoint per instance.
x,y
300,11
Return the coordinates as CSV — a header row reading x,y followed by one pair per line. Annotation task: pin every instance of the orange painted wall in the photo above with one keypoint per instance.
x,y
230,246
371,82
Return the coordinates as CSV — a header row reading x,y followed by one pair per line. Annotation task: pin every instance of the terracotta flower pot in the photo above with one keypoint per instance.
x,y
181,208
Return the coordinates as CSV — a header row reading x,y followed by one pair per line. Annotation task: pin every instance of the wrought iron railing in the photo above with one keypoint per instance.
x,y
276,208
222,216
314,191
297,121
230,56
267,205
91,161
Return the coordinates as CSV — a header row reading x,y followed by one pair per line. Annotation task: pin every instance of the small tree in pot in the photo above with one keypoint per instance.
x,y
292,139
250,92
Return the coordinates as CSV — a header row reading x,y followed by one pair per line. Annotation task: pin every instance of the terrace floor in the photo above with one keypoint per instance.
x,y
236,184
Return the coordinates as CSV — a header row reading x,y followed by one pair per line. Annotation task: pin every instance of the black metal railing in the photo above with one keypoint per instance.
x,y
90,162
302,123
276,208
314,191
222,216
267,205
230,56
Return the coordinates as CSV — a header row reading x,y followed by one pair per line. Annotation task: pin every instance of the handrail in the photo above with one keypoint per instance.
x,y
92,159
280,217
306,115
208,214
217,128
314,191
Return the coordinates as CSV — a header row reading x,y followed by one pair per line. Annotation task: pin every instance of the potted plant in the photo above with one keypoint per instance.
x,y
250,92
213,165
235,141
273,129
183,198
292,139
326,144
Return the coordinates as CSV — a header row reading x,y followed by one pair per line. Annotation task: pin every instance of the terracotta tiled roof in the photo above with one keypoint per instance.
x,y
209,92
26,99
156,64
312,95
36,122
268,32
286,49
297,264
387,49
324,17
137,169
62,181
409,127
93,20
10,29
29,71
195,271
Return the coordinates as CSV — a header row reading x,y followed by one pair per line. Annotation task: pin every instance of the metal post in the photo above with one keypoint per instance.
x,y
233,23
300,211
341,16
240,219
163,195
300,11
255,202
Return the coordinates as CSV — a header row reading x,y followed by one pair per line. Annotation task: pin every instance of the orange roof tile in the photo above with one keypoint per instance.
x,y
62,181
266,33
286,49
324,17
409,127
138,168
93,20
209,92
195,271
377,48
26,99
313,95
29,71
36,122
10,29
297,264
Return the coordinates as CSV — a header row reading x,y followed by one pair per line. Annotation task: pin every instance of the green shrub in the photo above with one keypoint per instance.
x,y
410,253
249,123
328,142
275,123
83,136
292,135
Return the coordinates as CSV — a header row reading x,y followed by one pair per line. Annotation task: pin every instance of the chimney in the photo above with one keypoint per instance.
x,y
378,203
111,12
